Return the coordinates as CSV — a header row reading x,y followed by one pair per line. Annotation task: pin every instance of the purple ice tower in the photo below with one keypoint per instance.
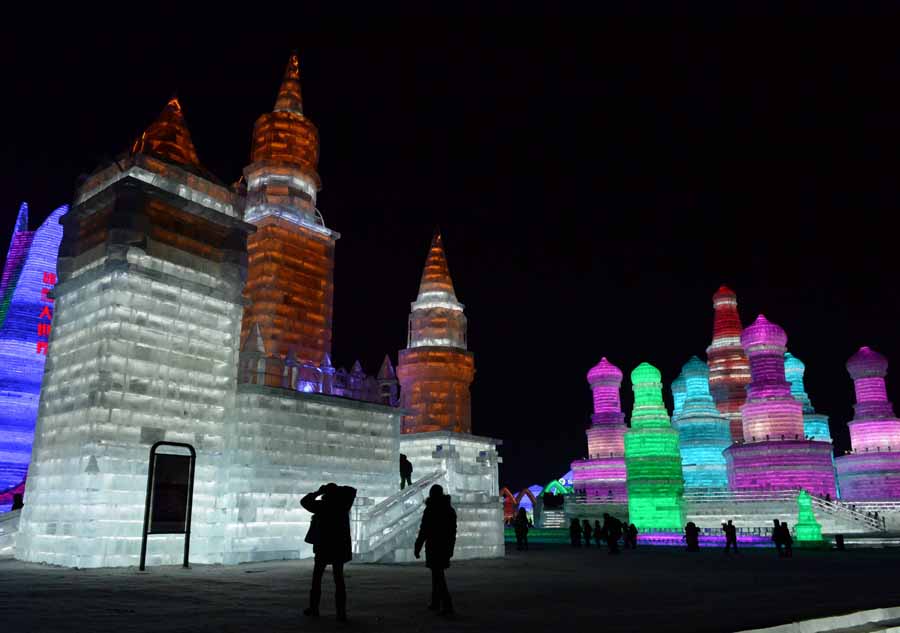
x,y
602,475
774,454
871,472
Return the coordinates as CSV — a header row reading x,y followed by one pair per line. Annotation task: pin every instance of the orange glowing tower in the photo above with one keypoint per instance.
x,y
435,370
729,369
290,277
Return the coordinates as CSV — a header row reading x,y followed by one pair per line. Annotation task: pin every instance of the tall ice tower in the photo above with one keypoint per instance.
x,y
435,369
290,277
729,369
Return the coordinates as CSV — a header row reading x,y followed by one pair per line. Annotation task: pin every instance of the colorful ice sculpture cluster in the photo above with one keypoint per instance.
x,y
652,457
602,476
729,370
871,472
774,454
26,312
703,432
194,312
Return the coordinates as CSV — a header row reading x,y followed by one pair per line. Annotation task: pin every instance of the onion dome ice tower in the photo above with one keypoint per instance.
x,y
652,457
290,277
774,454
436,369
871,472
815,425
679,393
703,432
729,370
602,475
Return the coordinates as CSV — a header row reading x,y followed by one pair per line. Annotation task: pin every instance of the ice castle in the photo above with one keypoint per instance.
x,y
191,311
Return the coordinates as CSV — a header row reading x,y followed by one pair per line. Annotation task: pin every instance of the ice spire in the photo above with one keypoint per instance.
x,y
289,96
22,218
729,369
168,138
387,370
436,276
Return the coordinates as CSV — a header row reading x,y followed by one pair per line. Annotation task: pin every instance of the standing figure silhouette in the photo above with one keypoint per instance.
x,y
329,534
437,533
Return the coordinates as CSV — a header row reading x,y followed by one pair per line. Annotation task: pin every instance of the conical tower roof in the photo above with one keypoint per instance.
x,y
22,218
289,97
436,276
168,138
387,370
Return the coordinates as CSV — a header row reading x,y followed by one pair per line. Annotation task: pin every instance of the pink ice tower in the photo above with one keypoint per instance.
x,y
871,472
602,475
775,454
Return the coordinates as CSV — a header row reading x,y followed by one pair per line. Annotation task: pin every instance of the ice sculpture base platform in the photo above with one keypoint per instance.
x,y
781,465
869,476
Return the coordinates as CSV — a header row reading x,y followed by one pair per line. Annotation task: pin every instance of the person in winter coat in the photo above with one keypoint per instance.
x,y
612,530
329,534
692,536
598,533
521,525
787,540
437,533
575,533
586,532
405,472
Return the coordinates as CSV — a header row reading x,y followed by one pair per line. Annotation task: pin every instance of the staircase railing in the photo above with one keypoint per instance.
x,y
837,508
380,527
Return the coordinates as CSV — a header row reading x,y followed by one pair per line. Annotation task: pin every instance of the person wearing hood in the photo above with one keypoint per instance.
x,y
329,534
437,533
406,470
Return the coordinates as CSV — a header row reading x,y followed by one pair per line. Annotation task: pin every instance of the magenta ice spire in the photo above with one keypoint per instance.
x,y
602,475
872,471
771,411
775,454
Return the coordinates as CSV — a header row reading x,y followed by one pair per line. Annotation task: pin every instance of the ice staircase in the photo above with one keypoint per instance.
x,y
384,530
755,510
9,525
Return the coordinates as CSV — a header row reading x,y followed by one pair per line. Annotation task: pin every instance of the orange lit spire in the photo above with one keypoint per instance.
x,y
168,138
289,97
436,276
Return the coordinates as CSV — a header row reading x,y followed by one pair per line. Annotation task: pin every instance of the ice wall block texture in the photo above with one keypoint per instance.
x,y
435,370
652,457
729,369
602,476
871,472
26,312
703,432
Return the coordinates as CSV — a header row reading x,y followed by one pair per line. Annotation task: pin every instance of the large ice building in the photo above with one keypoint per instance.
x,y
26,311
165,330
729,369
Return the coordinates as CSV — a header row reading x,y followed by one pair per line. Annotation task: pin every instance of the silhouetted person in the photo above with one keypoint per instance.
x,y
730,536
786,540
438,533
329,533
827,496
632,535
692,536
586,532
405,472
17,501
776,537
598,533
575,533
521,525
612,531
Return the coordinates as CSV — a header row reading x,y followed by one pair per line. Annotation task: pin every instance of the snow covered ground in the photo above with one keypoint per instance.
x,y
552,586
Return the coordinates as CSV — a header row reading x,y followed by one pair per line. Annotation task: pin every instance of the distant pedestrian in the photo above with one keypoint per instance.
x,y
692,536
586,532
612,531
575,533
437,533
521,525
786,540
598,536
329,534
406,471
632,532
18,504
730,536
776,537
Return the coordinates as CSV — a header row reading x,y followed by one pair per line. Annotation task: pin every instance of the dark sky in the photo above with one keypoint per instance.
x,y
594,186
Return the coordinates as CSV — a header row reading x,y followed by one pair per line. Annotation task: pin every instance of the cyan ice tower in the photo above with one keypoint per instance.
x,y
815,425
703,432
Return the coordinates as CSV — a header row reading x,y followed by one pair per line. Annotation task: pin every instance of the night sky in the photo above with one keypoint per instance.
x,y
594,187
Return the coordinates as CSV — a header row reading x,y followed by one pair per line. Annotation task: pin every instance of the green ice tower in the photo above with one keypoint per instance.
x,y
808,529
652,457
